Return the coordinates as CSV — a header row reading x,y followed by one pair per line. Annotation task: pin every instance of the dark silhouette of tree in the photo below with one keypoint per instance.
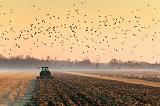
x,y
48,58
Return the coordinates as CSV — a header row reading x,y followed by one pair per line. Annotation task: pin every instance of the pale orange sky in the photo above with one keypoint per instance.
x,y
139,48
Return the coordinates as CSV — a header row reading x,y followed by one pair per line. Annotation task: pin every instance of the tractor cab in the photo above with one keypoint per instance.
x,y
45,73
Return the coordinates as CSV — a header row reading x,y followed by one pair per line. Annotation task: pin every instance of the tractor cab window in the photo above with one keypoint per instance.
x,y
44,68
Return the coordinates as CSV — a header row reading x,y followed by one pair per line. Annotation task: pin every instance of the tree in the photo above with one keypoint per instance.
x,y
48,58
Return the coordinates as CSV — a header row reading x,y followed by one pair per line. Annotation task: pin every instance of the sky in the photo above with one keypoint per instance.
x,y
81,29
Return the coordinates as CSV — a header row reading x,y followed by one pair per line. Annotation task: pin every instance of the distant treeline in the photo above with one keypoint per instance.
x,y
133,64
28,62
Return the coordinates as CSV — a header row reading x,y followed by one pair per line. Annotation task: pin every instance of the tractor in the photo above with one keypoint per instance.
x,y
45,74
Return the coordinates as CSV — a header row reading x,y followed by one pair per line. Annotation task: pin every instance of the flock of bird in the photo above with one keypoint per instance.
x,y
77,29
